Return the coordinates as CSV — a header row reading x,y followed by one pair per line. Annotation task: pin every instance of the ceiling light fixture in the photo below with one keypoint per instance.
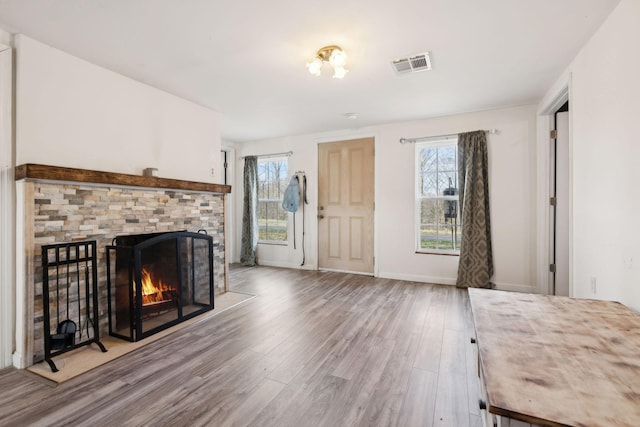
x,y
335,56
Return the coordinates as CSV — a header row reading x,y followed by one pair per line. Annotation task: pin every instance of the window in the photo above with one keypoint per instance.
x,y
437,215
272,181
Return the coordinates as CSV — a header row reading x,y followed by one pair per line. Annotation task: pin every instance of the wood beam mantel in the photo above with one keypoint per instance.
x,y
56,173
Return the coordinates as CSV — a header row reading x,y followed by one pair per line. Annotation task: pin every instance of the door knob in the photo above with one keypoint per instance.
x,y
320,216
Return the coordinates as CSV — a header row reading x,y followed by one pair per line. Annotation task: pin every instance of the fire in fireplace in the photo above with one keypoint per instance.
x,y
155,292
157,280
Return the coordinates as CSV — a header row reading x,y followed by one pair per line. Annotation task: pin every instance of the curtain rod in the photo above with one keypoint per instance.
x,y
424,138
262,156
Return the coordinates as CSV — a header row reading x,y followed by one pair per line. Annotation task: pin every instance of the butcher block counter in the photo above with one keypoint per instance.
x,y
556,361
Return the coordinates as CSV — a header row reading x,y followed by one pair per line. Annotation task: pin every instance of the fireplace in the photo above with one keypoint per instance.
x,y
62,205
157,280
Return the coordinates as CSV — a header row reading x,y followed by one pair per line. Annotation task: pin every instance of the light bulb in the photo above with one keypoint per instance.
x,y
339,72
338,58
315,66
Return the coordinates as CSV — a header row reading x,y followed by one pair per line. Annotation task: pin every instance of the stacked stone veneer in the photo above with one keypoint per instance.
x,y
69,213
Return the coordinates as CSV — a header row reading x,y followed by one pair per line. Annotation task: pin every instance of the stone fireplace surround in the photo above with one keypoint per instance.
x,y
59,205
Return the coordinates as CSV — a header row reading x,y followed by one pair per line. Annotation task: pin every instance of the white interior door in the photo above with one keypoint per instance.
x,y
345,205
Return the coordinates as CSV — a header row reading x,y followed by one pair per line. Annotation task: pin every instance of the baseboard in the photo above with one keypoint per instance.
x,y
516,288
412,277
418,278
18,361
452,281
281,264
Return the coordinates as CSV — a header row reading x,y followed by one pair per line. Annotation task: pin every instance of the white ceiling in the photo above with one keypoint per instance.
x,y
246,58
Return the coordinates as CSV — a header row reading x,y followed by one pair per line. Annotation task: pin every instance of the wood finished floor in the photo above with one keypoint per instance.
x,y
313,349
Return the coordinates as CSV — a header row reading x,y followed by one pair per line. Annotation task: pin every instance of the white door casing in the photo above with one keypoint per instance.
x,y
562,205
552,102
7,203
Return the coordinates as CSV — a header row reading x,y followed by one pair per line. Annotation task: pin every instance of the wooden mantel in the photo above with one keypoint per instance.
x,y
56,173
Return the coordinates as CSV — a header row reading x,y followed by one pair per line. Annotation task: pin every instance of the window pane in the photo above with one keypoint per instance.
x,y
272,221
447,184
428,159
439,237
450,212
447,158
262,180
262,220
272,179
428,236
280,174
446,237
430,211
429,184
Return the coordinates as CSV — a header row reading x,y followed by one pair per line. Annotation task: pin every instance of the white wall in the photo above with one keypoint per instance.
x,y
512,191
604,110
73,113
5,38
304,158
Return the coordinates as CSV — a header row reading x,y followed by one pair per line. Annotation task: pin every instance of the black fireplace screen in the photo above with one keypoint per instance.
x,y
158,280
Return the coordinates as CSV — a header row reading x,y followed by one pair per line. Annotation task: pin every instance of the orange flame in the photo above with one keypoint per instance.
x,y
151,292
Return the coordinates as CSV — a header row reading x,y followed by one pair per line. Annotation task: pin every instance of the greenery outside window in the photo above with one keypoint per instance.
x,y
438,225
272,182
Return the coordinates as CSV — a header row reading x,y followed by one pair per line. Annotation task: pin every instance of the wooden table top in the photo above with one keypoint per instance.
x,y
558,361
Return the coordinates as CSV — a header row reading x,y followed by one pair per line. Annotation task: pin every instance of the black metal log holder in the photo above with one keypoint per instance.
x,y
69,269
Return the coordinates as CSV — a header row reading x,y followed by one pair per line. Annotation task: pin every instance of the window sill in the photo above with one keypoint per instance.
x,y
272,243
450,253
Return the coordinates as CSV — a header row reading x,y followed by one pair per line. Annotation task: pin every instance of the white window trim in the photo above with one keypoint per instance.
x,y
431,142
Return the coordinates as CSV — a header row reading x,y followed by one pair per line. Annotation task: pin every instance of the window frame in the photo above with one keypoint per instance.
x,y
264,160
450,140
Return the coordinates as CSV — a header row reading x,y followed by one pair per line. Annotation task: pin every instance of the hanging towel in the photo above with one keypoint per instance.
x,y
291,196
290,201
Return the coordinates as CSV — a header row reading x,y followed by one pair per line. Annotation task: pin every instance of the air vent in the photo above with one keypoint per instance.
x,y
412,64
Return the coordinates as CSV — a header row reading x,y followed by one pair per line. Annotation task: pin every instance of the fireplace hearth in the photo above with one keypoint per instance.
x,y
157,280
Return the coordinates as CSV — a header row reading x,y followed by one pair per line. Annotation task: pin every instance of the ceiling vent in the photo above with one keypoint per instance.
x,y
412,64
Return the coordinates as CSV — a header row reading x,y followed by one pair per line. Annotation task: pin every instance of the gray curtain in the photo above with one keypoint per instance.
x,y
475,267
250,212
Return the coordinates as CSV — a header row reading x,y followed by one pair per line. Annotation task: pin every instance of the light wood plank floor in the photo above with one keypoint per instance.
x,y
313,349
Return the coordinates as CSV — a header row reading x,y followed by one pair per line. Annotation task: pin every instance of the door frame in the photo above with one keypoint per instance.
x,y
548,107
557,246
229,208
7,210
347,137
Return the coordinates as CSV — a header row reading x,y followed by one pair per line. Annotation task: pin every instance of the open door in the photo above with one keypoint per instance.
x,y
559,233
345,206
